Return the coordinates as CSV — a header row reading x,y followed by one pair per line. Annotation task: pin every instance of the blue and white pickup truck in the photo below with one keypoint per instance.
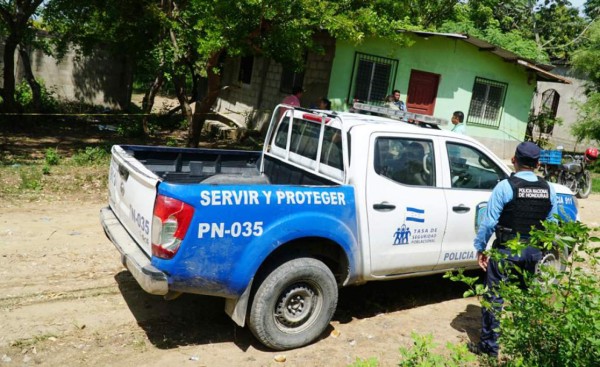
x,y
334,199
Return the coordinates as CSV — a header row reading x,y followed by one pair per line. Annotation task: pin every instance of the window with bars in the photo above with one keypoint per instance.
x,y
487,101
372,78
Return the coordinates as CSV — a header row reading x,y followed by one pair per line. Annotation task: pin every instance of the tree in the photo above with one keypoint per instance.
x,y
540,31
202,33
128,30
587,60
18,28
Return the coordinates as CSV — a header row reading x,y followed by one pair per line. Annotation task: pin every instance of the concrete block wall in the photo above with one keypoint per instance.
x,y
256,101
99,79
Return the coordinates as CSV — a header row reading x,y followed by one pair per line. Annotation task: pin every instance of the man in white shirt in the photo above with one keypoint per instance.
x,y
457,120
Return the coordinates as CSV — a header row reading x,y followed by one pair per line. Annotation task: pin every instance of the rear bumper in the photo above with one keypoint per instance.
x,y
133,258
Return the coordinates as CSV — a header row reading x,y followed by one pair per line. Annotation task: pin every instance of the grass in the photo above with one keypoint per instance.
x,y
34,181
596,182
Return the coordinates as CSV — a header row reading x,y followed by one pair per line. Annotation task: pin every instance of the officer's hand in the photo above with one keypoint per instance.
x,y
482,259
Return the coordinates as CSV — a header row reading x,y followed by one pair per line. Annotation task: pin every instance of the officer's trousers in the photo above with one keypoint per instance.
x,y
530,256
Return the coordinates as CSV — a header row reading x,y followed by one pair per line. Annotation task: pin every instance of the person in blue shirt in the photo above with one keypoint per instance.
x,y
516,204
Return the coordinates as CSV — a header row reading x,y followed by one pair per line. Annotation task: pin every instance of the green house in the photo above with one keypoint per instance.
x,y
440,74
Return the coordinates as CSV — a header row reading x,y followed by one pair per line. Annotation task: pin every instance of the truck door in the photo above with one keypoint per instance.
x,y
470,175
406,211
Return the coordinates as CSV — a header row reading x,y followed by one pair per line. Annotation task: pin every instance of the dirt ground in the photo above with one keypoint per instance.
x,y
67,301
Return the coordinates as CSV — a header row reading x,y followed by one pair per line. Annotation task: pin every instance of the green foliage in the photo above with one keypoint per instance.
x,y
130,129
587,61
544,122
421,354
24,96
90,156
359,362
587,58
588,119
555,321
31,178
596,180
52,157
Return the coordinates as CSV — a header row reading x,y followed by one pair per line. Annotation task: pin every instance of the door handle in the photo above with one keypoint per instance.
x,y
461,209
384,206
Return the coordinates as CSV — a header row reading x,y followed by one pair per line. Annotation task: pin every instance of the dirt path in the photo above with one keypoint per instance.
x,y
67,301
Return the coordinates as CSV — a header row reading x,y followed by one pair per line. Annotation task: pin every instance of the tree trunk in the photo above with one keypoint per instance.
x,y
36,90
148,101
186,109
201,110
8,95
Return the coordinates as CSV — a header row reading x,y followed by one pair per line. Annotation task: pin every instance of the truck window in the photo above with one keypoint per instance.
x,y
304,145
406,161
304,140
472,169
331,153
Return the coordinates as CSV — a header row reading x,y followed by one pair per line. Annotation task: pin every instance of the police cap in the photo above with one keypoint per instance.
x,y
527,154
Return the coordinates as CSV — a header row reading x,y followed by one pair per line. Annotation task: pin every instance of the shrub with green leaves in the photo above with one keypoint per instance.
x,y
556,321
31,178
90,156
52,157
421,354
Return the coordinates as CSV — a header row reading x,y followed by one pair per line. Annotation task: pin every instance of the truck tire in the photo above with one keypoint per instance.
x,y
293,305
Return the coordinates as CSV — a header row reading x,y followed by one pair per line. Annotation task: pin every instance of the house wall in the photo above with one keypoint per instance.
x,y
251,105
570,95
458,63
98,79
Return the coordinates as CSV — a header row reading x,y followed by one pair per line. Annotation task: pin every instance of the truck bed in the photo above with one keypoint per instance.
x,y
189,165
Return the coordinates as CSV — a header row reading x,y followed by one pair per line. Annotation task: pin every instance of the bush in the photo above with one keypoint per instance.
x,y
421,354
24,96
555,321
31,178
90,156
52,157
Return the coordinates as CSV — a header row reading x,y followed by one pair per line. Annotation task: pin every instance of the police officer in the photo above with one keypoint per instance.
x,y
516,204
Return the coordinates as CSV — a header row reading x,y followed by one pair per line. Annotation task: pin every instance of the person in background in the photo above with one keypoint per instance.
x,y
457,120
518,203
324,104
393,100
294,98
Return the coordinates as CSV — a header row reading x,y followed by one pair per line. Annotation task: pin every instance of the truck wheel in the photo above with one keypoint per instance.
x,y
294,304
555,259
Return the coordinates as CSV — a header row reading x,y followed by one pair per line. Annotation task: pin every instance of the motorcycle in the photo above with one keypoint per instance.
x,y
575,176
573,173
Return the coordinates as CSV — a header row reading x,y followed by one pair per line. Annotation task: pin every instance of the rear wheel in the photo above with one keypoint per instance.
x,y
293,305
568,180
584,185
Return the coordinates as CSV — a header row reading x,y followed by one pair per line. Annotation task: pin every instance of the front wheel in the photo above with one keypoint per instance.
x,y
584,185
293,305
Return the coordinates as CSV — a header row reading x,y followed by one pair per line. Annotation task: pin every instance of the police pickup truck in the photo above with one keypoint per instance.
x,y
334,199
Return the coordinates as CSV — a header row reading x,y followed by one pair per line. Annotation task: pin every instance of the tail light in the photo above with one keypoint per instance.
x,y
170,223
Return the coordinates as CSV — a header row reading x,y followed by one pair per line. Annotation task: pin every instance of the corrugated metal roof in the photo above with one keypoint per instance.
x,y
542,70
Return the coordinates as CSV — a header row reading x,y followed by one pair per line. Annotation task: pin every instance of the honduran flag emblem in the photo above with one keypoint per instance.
x,y
415,215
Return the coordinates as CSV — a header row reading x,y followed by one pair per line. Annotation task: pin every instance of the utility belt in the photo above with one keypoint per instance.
x,y
503,235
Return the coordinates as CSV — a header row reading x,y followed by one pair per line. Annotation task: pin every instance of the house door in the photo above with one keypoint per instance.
x,y
422,92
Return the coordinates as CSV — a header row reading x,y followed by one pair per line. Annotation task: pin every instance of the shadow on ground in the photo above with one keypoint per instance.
x,y
196,320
